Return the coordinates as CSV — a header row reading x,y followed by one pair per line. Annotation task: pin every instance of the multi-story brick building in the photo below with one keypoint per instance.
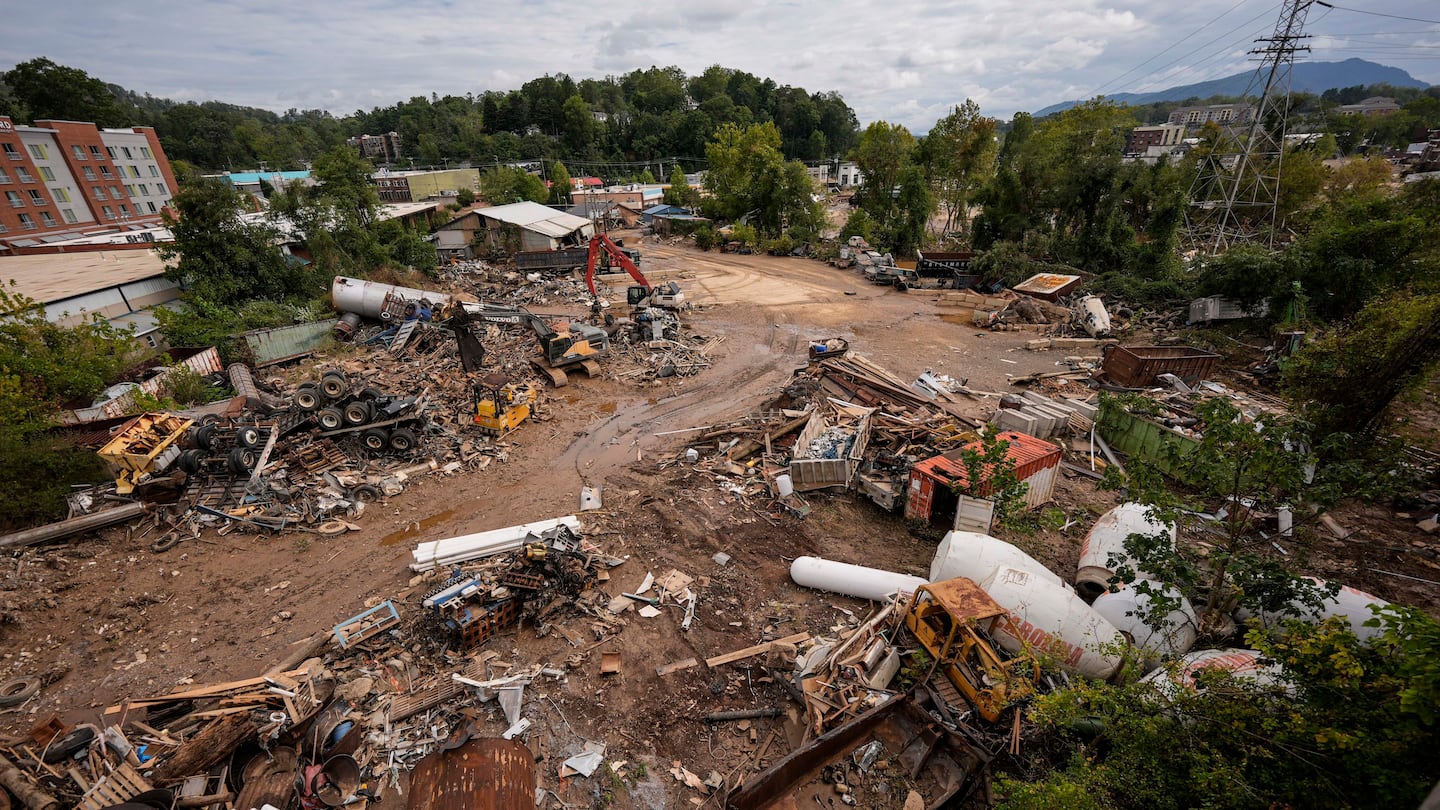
x,y
67,177
381,148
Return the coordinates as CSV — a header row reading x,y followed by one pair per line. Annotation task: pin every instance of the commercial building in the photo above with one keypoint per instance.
x,y
60,178
1223,114
1142,138
122,284
396,187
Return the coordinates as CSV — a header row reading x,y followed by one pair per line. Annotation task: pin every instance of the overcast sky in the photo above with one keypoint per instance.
x,y
901,60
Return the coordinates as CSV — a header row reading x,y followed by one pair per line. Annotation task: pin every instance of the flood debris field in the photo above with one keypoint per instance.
x,y
362,588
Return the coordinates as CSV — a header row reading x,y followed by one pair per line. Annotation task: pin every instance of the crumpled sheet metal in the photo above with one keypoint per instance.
x,y
481,774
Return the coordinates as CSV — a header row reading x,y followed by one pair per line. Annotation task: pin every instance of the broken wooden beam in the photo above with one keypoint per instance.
x,y
758,649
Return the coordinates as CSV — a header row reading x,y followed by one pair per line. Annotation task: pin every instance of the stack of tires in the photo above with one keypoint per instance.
x,y
337,407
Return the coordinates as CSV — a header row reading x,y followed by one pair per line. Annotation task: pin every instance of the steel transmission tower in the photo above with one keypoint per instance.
x,y
1235,194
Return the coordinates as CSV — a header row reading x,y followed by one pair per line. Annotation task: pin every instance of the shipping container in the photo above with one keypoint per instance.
x,y
932,497
1141,366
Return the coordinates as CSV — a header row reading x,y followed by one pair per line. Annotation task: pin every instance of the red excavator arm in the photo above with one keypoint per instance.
x,y
617,258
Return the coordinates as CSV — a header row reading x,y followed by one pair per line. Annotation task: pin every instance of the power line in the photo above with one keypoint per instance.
x,y
1188,54
1375,13
1174,45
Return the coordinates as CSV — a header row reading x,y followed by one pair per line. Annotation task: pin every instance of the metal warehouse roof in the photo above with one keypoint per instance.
x,y
536,217
56,276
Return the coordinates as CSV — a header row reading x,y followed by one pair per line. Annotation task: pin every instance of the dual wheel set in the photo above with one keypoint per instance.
x,y
338,409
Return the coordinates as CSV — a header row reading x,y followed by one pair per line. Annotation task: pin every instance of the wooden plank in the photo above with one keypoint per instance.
x,y
666,669
755,650
213,690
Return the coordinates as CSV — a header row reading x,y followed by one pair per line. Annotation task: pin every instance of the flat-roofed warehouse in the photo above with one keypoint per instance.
x,y
121,286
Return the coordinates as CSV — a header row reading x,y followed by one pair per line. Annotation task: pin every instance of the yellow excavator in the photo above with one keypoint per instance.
x,y
501,405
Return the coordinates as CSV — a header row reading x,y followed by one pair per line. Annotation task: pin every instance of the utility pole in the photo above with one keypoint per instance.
x,y
1234,199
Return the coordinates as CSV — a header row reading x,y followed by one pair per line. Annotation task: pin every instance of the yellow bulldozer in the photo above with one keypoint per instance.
x,y
953,620
501,405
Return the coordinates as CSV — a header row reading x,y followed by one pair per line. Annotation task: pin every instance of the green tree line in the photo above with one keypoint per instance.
x,y
639,116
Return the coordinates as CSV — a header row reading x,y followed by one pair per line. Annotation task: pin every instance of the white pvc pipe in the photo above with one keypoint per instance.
x,y
851,580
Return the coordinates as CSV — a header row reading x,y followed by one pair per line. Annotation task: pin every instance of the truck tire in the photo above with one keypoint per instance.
x,y
358,413
402,440
205,436
307,398
249,436
18,690
190,460
375,439
241,460
330,419
333,385
365,493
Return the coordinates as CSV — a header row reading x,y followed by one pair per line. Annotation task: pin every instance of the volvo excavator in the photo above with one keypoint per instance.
x,y
578,347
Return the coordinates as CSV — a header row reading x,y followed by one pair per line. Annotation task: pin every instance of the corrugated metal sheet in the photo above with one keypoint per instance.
x,y
287,342
1035,463
482,774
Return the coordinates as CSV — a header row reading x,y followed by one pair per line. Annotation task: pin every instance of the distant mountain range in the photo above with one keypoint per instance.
x,y
1308,77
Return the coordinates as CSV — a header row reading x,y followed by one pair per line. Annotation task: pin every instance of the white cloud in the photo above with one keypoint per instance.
x,y
907,61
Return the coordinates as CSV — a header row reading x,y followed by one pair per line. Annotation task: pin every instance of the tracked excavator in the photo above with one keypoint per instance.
x,y
640,295
579,347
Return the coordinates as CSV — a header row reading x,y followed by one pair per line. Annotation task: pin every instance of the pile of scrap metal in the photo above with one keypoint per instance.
x,y
243,743
843,422
301,458
553,570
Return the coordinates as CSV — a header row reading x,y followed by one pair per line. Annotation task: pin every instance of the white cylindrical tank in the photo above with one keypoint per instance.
x,y
1095,319
1127,610
1349,603
1052,619
1106,539
851,580
976,556
1241,663
367,298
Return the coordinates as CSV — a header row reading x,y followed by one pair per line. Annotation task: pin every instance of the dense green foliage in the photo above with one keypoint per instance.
x,y
641,115
42,368
1358,730
749,178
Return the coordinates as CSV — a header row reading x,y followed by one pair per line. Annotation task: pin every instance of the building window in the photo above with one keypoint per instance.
x,y
129,189
49,220
60,194
110,150
47,173
126,150
105,172
108,213
4,178
144,190
11,152
39,151
152,207
154,171
115,192
146,153
134,171
95,151
27,223
35,198
97,192
68,215
15,201
24,174
3,228
77,151
124,209
161,189
89,173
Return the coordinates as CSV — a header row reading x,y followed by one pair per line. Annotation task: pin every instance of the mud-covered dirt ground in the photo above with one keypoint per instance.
x,y
105,618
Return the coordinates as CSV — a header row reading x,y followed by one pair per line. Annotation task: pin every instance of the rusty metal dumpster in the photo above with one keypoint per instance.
x,y
1140,366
